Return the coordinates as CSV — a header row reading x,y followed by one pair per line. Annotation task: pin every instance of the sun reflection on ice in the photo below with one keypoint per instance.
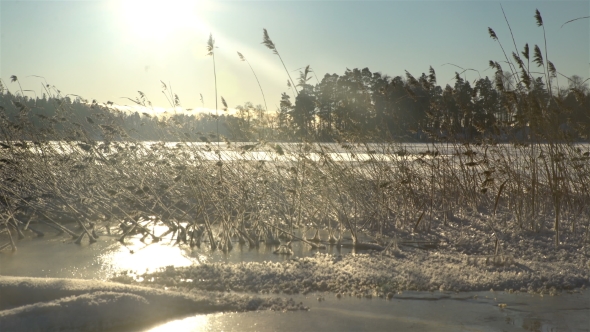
x,y
194,324
140,257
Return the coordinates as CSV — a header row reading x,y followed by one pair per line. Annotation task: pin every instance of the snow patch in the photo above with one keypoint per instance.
x,y
46,304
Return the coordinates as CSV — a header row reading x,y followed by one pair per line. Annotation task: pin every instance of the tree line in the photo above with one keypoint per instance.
x,y
359,104
365,104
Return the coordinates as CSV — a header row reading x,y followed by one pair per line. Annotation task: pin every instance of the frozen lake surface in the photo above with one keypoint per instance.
x,y
411,311
419,311
36,257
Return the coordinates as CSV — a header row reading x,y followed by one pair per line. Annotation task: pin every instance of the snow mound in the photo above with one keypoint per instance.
x,y
88,312
44,304
374,274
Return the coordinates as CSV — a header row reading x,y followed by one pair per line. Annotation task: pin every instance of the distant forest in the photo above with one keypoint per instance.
x,y
358,105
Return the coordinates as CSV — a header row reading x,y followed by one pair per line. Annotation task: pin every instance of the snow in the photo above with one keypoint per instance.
x,y
46,304
464,259
372,274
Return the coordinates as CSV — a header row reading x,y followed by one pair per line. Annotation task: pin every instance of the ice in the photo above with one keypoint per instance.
x,y
527,262
46,304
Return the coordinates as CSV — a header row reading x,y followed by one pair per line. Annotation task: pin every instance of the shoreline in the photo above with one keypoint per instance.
x,y
463,260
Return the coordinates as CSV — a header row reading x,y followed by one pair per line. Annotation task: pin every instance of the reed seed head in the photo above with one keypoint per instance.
x,y
538,18
267,41
518,60
224,103
492,34
538,58
552,69
210,45
525,52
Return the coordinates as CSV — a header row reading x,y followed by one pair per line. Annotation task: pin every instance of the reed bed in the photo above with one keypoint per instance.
x,y
270,190
217,192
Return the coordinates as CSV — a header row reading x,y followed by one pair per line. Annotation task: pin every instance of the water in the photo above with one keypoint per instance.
x,y
58,256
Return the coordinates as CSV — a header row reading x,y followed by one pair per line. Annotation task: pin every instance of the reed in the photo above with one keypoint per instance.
x,y
95,172
242,58
271,46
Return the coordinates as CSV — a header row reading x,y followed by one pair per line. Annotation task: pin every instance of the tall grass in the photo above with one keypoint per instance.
x,y
271,46
261,191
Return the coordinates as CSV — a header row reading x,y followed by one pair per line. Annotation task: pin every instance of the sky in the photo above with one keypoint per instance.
x,y
111,49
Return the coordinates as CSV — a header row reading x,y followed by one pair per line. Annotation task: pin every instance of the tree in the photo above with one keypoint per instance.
x,y
284,111
326,100
576,83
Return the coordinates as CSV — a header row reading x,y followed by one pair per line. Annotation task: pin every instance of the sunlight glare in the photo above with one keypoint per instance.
x,y
158,19
138,256
194,324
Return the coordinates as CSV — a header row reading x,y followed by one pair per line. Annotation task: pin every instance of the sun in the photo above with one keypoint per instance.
x,y
157,19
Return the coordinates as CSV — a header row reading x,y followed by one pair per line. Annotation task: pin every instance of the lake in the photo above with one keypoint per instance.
x,y
420,311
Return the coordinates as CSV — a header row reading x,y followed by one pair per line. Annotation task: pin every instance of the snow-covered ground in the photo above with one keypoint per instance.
x,y
461,256
47,304
465,258
374,274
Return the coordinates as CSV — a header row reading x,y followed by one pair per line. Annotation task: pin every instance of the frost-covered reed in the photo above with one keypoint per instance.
x,y
95,169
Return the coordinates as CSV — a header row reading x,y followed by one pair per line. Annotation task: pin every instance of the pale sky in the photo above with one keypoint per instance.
x,y
109,49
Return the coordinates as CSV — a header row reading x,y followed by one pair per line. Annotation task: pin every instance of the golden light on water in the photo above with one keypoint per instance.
x,y
137,256
194,324
150,257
